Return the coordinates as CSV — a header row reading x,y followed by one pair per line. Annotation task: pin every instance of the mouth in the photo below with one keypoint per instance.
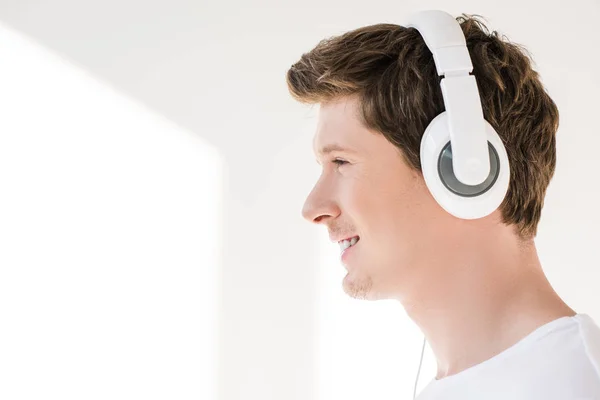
x,y
347,243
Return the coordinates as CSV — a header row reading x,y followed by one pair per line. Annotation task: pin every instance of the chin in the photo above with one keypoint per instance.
x,y
361,289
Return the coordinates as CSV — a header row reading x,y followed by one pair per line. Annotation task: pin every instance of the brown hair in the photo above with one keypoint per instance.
x,y
392,71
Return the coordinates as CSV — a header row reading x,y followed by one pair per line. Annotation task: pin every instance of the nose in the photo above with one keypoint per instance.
x,y
320,205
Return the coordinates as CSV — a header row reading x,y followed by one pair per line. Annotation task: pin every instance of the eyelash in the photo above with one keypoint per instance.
x,y
339,162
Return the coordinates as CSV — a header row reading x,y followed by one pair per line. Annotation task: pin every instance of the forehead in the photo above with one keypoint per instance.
x,y
338,127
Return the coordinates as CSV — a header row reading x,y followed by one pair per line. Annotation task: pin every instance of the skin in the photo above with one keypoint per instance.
x,y
461,281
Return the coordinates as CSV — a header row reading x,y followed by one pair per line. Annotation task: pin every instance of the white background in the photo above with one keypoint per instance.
x,y
152,172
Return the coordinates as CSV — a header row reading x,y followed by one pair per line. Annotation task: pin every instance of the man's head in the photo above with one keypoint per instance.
x,y
378,90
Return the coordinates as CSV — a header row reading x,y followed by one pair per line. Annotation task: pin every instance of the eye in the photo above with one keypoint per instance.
x,y
339,161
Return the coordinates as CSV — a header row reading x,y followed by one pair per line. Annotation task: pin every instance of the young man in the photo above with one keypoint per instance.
x,y
475,287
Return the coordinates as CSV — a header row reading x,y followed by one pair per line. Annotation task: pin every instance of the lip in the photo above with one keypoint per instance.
x,y
337,240
347,252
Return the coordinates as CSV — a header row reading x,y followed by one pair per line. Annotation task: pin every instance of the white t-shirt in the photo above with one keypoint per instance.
x,y
558,361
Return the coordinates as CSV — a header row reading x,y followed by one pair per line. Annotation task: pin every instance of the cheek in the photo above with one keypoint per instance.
x,y
392,212
373,205
358,200
386,206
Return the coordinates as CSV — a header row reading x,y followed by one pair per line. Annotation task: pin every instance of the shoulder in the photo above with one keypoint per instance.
x,y
569,365
590,337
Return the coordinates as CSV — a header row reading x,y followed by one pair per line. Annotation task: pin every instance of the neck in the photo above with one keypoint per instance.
x,y
483,301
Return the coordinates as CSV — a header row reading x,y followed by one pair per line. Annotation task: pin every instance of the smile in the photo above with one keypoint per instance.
x,y
344,244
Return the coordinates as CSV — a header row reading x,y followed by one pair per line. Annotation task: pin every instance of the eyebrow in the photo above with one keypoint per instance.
x,y
334,147
329,148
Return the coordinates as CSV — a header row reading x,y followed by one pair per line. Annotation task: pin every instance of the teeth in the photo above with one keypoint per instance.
x,y
344,244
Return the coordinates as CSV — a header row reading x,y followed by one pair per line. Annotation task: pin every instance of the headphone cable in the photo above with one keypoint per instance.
x,y
419,371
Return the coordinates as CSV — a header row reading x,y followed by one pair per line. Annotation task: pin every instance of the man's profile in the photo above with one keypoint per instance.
x,y
475,287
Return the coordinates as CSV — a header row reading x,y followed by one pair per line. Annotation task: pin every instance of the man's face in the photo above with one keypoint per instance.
x,y
367,190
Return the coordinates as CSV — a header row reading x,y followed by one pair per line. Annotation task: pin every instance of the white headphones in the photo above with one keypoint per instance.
x,y
463,159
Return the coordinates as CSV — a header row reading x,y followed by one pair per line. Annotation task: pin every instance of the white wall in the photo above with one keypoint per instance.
x,y
109,240
217,71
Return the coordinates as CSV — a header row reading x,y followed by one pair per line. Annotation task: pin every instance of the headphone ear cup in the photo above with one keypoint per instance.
x,y
462,201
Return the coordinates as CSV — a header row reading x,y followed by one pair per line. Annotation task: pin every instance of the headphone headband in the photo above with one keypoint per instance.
x,y
445,39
